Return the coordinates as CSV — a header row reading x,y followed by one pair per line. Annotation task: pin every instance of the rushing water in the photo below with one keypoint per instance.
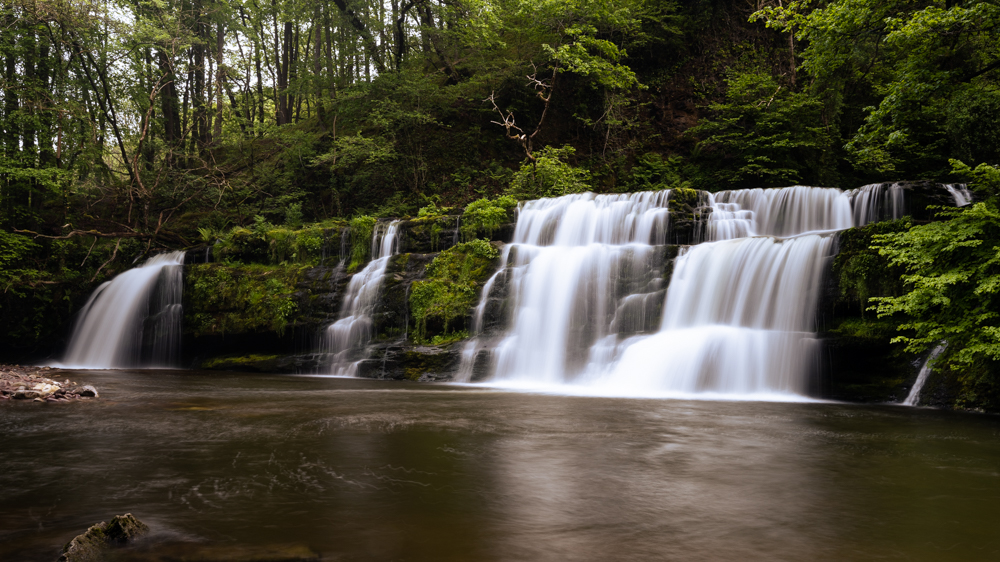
x,y
223,466
591,307
913,398
587,280
345,339
134,320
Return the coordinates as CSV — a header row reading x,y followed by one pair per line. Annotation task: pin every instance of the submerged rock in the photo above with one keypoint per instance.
x,y
93,545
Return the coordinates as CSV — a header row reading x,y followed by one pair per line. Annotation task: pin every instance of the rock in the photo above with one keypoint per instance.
x,y
89,391
124,528
94,545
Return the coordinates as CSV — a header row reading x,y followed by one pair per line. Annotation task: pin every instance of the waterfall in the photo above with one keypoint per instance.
x,y
346,338
913,398
134,320
877,201
960,193
779,212
585,283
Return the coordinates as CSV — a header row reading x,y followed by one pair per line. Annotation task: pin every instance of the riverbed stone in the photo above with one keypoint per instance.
x,y
88,392
94,545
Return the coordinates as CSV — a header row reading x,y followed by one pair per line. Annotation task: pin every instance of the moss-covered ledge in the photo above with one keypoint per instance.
x,y
229,299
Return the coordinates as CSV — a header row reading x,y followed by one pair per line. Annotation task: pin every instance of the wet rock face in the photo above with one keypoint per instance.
x,y
95,544
399,361
918,195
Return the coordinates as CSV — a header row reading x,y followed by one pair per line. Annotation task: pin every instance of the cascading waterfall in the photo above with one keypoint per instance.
x,y
778,212
960,193
134,320
877,201
913,398
590,310
574,262
346,338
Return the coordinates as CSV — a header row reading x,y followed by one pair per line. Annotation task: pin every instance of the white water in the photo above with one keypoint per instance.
x,y
134,320
960,193
778,212
590,314
913,398
346,338
877,201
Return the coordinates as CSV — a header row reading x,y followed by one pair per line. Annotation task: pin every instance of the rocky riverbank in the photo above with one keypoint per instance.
x,y
34,384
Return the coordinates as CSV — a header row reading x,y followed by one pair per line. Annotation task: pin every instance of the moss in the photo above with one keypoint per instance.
x,y
221,299
860,272
682,204
420,363
271,245
449,290
866,329
245,362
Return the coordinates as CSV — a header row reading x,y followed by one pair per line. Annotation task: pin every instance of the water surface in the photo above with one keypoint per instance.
x,y
362,470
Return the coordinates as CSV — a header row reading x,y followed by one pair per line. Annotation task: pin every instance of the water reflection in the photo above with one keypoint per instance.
x,y
359,470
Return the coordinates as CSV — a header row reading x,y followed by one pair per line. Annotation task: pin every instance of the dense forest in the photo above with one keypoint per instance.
x,y
129,127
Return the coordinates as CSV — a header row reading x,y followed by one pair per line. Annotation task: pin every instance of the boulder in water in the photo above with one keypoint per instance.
x,y
93,545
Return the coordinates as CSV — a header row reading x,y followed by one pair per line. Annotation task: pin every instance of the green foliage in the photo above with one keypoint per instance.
x,y
362,230
449,288
432,210
983,179
763,135
653,172
952,283
223,299
14,249
860,271
919,75
484,216
293,215
268,244
549,175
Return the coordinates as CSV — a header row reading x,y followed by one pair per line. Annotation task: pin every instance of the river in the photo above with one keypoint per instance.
x,y
350,469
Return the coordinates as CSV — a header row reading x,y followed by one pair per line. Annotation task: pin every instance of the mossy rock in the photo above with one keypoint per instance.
x,y
223,299
428,235
688,215
252,362
95,544
443,300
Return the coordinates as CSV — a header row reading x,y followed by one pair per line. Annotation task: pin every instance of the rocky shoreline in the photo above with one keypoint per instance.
x,y
33,384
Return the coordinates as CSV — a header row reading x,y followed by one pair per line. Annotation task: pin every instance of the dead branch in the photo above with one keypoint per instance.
x,y
73,233
111,259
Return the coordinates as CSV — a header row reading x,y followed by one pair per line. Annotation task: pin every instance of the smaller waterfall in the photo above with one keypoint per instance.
x,y
876,202
960,193
134,320
346,338
914,397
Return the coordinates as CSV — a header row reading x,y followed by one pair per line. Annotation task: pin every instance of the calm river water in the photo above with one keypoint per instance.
x,y
226,466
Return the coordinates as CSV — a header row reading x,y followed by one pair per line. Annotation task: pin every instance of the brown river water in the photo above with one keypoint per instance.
x,y
239,466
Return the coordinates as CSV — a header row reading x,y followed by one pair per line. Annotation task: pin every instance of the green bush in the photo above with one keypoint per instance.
x,y
549,175
362,230
484,216
652,172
